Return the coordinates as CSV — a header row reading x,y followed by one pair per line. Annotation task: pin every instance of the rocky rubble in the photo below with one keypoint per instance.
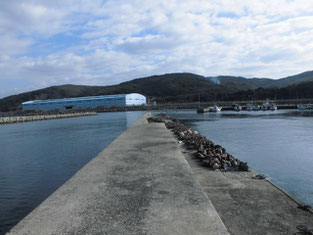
x,y
211,155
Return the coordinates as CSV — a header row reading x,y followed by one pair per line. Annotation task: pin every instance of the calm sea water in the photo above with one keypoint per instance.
x,y
36,158
278,144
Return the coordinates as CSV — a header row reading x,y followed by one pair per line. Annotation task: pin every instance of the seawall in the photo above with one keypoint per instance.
x,y
140,184
15,119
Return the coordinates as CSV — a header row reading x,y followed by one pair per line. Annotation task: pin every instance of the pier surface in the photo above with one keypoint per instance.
x,y
250,206
140,184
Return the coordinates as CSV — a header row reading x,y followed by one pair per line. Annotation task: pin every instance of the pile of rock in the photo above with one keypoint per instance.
x,y
211,155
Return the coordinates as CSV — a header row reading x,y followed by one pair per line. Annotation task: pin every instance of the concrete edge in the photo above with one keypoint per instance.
x,y
195,177
289,196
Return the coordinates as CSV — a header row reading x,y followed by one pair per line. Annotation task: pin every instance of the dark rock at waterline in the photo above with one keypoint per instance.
x,y
211,155
243,166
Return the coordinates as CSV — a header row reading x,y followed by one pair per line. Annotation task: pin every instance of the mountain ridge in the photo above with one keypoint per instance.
x,y
184,86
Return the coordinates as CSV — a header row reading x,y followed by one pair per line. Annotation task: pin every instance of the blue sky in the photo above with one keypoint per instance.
x,y
53,42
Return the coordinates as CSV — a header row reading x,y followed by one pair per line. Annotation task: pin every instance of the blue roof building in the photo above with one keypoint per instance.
x,y
87,102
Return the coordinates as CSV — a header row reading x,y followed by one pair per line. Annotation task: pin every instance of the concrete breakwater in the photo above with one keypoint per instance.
x,y
247,201
140,184
15,119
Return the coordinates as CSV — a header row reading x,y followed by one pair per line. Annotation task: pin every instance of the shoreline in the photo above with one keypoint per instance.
x,y
299,202
227,105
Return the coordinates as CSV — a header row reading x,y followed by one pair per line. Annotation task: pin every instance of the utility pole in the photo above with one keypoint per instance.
x,y
199,102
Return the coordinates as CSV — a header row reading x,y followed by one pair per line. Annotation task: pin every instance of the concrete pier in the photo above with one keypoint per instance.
x,y
140,184
250,206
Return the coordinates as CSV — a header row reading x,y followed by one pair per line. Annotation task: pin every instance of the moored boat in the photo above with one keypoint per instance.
x,y
203,110
273,107
249,107
256,107
215,109
237,107
304,106
266,105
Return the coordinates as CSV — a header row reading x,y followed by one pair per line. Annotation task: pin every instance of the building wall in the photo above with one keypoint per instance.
x,y
74,103
87,102
135,99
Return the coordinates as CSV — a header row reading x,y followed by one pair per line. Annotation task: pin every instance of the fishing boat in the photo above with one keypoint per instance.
x,y
304,106
265,105
215,109
203,110
237,107
249,107
256,107
273,107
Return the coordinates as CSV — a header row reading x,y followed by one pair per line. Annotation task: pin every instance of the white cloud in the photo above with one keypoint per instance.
x,y
45,42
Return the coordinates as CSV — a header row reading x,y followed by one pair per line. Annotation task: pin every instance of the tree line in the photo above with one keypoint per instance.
x,y
300,91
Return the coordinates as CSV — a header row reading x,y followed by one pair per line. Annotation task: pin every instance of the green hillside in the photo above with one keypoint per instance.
x,y
154,86
296,79
177,87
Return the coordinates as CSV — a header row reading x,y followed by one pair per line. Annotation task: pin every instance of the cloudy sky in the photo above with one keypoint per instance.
x,y
52,42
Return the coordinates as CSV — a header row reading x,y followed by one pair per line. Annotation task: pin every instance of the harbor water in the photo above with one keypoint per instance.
x,y
36,158
278,144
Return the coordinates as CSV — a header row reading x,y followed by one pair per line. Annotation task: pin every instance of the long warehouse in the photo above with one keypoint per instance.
x,y
122,100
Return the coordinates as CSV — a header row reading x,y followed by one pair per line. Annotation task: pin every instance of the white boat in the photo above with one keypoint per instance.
x,y
215,109
256,107
237,107
304,106
249,107
266,105
273,107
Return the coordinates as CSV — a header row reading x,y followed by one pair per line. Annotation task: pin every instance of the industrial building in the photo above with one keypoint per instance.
x,y
123,100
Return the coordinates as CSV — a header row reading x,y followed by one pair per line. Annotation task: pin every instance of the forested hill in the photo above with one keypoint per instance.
x,y
175,87
253,83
